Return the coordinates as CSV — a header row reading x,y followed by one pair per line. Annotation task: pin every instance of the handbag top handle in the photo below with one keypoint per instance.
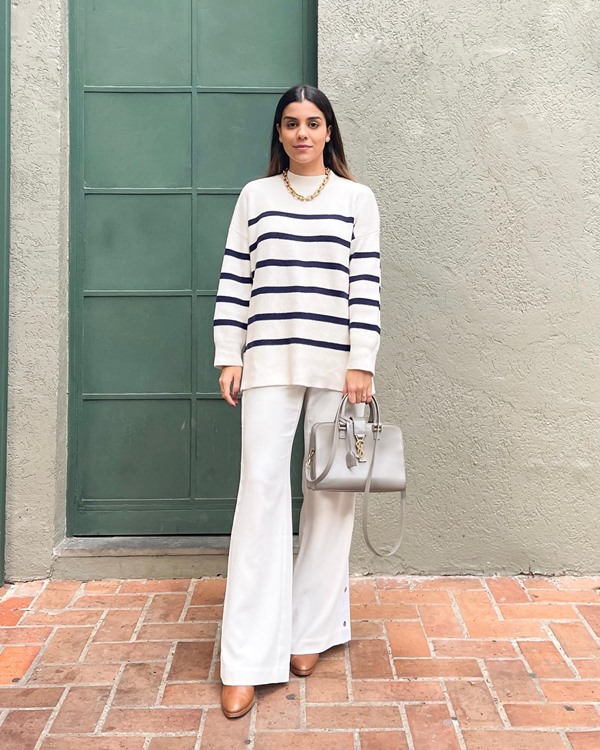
x,y
374,412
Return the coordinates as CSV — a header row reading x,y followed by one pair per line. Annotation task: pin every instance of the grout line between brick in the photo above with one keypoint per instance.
x,y
147,742
493,602
141,618
586,624
38,657
215,654
109,700
376,588
348,666
252,727
388,646
188,599
546,627
498,703
530,672
51,718
458,615
406,727
357,740
525,590
165,674
453,717
302,698
200,734
95,629
565,740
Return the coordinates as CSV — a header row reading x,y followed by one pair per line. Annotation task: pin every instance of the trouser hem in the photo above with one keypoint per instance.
x,y
253,676
321,645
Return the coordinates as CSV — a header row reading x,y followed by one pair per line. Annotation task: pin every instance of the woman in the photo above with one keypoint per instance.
x,y
296,324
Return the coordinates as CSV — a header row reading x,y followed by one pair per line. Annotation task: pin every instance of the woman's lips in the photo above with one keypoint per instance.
x,y
302,148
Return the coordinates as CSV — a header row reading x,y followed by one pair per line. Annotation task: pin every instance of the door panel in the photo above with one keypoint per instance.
x,y
137,140
137,242
136,449
137,345
138,42
259,44
171,108
237,123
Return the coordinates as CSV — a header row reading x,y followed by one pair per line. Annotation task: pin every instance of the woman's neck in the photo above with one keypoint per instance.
x,y
312,169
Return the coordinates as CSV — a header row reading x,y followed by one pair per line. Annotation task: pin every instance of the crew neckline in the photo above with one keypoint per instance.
x,y
307,176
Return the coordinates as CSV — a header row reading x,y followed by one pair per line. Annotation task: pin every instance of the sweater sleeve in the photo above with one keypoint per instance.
x,y
230,320
365,282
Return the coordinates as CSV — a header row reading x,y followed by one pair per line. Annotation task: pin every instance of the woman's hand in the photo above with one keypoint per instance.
x,y
229,383
359,386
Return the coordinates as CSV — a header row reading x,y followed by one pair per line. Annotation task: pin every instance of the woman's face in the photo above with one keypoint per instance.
x,y
303,133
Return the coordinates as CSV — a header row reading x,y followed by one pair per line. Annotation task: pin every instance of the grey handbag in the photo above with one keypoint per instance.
x,y
356,455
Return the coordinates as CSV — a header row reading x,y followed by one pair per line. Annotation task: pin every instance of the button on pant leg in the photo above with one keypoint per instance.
x,y
321,598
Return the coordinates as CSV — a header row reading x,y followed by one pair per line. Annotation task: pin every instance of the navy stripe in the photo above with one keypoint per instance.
x,y
302,289
223,322
365,277
233,277
234,300
307,342
337,217
366,326
235,254
300,316
298,238
362,301
304,264
364,255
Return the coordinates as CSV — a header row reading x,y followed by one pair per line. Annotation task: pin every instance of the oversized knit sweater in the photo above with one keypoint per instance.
x,y
298,299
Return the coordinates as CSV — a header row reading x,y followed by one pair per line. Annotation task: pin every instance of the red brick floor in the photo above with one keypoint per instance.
x,y
434,664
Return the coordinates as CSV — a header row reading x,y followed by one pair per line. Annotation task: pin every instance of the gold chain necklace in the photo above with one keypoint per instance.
x,y
305,197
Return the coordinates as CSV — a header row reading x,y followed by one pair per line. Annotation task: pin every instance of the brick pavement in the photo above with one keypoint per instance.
x,y
462,663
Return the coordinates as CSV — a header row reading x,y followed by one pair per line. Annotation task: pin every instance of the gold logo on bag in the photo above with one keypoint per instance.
x,y
359,441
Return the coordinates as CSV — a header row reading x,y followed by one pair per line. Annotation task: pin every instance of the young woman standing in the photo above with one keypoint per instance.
x,y
296,324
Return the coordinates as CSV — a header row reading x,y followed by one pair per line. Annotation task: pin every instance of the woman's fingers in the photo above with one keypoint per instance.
x,y
359,386
229,383
236,387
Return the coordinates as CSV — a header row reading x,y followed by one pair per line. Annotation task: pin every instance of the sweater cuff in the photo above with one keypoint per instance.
x,y
362,358
228,356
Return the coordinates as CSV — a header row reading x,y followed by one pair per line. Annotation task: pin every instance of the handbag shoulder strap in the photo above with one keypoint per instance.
x,y
365,509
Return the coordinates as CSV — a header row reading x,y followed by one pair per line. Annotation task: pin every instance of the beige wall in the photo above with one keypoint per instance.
x,y
37,366
476,123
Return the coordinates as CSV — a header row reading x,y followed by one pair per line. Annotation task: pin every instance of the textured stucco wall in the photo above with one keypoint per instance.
x,y
476,123
37,405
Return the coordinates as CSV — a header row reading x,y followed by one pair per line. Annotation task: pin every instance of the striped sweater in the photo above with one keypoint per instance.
x,y
298,297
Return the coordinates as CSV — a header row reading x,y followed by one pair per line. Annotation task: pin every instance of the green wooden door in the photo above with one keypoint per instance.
x,y
4,246
172,102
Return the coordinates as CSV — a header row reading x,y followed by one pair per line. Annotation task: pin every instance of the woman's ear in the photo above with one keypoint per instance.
x,y
329,133
279,132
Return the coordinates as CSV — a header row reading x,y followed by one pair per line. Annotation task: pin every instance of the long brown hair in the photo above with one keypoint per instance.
x,y
333,154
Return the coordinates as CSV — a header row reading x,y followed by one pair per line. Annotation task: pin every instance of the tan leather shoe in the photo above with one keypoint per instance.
x,y
303,664
236,700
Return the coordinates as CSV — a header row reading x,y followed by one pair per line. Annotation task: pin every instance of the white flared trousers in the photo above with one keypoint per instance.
x,y
272,608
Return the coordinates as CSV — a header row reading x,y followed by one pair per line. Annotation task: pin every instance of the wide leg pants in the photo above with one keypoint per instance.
x,y
273,608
